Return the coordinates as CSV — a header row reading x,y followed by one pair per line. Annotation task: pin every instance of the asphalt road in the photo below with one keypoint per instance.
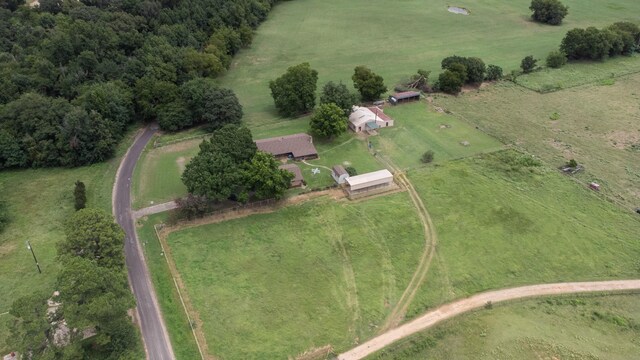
x,y
154,331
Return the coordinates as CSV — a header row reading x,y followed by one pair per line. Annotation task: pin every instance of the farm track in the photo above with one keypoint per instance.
x,y
430,237
477,301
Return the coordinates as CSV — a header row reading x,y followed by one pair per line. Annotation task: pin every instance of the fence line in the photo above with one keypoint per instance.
x,y
184,306
157,144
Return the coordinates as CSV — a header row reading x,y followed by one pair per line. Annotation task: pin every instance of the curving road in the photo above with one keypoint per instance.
x,y
455,308
154,332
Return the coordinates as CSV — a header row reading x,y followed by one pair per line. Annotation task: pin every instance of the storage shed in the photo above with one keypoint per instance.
x,y
369,181
297,180
368,118
339,174
404,96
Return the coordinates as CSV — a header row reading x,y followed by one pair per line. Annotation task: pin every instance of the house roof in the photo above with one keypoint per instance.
x,y
339,170
368,177
406,95
294,169
298,145
363,115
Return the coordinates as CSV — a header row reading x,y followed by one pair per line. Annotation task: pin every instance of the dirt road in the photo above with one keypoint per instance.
x,y
450,310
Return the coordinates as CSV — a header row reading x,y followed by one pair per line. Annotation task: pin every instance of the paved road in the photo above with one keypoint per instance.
x,y
476,301
154,332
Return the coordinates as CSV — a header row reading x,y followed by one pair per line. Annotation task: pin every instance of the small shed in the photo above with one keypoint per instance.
x,y
297,180
404,96
594,186
369,181
339,174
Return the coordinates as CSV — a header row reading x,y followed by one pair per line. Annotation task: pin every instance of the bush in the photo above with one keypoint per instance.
x,y
450,82
80,195
427,157
494,72
572,163
192,206
528,64
351,171
556,59
548,11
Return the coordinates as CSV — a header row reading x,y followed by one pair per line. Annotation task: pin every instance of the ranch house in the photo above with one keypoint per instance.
x,y
405,96
368,119
297,147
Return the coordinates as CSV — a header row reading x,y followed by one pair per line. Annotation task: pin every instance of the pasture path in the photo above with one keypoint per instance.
x,y
477,301
431,239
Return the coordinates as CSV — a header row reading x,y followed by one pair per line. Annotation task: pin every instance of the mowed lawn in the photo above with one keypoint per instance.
x,y
597,125
39,202
569,327
418,128
395,39
322,272
500,228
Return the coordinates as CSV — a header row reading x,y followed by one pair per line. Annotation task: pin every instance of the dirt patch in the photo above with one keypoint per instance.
x,y
7,248
623,139
182,163
458,10
177,147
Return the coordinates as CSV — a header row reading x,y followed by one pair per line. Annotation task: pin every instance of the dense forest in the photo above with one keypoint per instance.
x,y
74,74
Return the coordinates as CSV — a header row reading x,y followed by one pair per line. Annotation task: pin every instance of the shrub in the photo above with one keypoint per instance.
x,y
528,64
556,59
572,163
450,82
548,11
192,206
351,171
427,157
494,72
80,195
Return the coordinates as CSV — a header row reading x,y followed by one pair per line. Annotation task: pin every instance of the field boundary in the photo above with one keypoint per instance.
x,y
556,89
173,269
484,299
157,144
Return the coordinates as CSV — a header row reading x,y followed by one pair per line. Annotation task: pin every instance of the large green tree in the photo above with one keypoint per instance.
x,y
92,234
338,94
294,92
369,84
548,11
210,104
214,175
328,120
263,179
233,141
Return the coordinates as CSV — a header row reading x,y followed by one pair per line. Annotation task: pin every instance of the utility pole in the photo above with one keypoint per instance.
x,y
34,256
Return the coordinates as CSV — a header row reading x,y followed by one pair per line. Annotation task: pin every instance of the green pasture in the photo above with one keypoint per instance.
x,y
323,272
180,334
418,128
395,39
499,228
580,73
568,327
40,201
597,125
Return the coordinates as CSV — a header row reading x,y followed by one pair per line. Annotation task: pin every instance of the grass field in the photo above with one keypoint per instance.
x,y
580,73
39,202
499,228
419,128
322,272
396,39
569,327
597,125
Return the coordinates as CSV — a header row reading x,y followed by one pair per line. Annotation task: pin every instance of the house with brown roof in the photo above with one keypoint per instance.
x,y
404,96
297,180
297,146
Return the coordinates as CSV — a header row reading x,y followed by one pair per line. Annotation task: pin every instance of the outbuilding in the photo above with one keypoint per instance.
x,y
297,180
404,96
368,119
369,181
339,174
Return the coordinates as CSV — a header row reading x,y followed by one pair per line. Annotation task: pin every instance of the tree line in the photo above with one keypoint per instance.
x,y
75,74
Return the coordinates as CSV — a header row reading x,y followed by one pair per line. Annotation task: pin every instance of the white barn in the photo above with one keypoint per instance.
x,y
368,118
369,181
339,174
